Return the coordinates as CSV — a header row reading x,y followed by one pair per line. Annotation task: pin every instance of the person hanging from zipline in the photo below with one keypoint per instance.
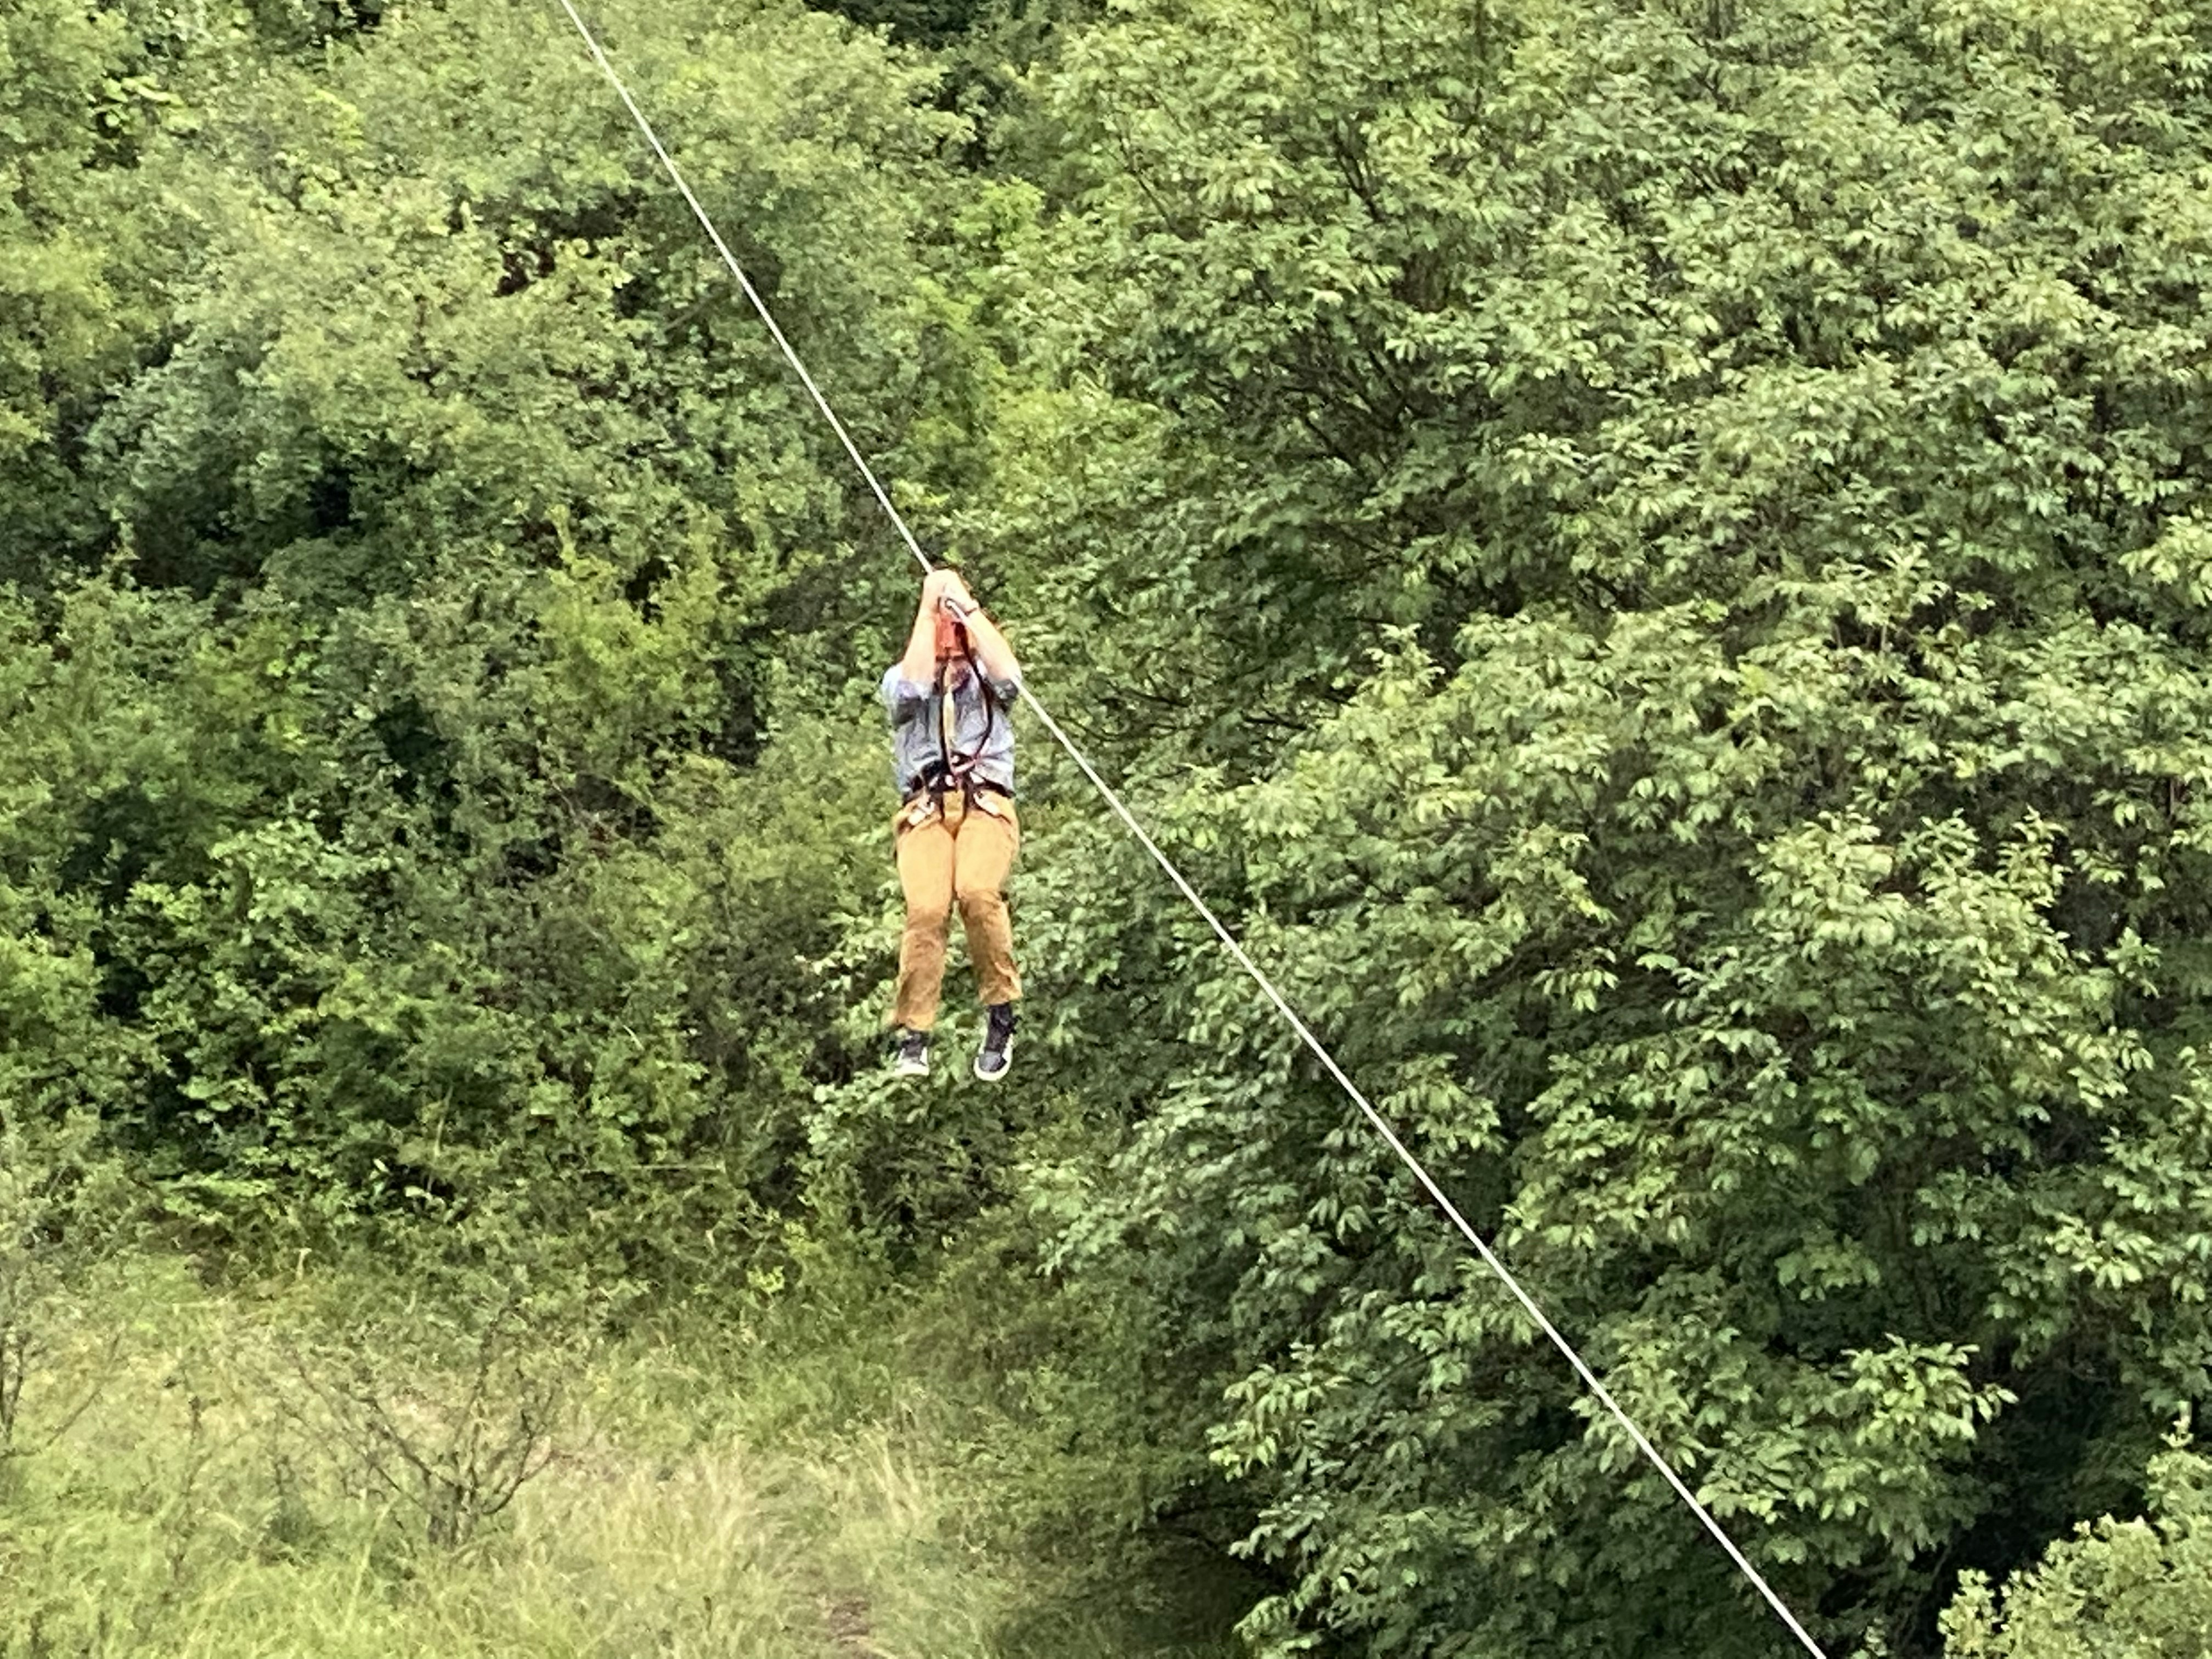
x,y
951,699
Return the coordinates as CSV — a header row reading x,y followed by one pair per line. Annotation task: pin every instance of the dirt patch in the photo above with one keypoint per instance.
x,y
845,1619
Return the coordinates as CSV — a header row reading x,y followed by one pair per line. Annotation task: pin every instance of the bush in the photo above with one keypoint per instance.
x,y
2116,1590
63,1208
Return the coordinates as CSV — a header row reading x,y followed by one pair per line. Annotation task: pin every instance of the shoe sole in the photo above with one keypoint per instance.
x,y
1006,1066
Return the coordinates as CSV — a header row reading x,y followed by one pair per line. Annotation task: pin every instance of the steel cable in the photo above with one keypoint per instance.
x,y
1243,959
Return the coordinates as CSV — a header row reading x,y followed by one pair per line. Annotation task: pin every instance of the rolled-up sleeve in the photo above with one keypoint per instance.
x,y
903,698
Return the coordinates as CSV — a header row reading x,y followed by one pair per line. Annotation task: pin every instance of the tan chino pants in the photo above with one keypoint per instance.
x,y
960,855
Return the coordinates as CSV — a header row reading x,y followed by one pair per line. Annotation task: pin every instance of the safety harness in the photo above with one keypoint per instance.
x,y
953,767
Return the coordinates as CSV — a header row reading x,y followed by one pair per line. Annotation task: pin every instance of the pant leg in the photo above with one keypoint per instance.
x,y
983,857
925,867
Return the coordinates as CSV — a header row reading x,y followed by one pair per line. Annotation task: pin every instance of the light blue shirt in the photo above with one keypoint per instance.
x,y
982,726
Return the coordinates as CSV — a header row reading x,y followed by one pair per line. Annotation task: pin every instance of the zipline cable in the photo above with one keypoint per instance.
x,y
791,357
1375,1120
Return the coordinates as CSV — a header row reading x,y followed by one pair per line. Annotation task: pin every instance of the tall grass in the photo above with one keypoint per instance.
x,y
706,1498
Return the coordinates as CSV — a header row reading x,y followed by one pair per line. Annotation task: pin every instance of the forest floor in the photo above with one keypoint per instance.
x,y
203,1472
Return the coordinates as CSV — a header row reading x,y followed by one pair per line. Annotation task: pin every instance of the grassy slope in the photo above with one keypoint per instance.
x,y
722,1494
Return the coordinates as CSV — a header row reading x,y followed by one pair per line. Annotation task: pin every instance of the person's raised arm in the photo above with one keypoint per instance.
x,y
992,651
919,665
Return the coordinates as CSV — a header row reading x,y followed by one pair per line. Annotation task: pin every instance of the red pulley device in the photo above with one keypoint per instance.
x,y
952,637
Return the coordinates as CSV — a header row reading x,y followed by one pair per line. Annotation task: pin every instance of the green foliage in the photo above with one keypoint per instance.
x,y
1653,556
68,100
54,66
1665,532
423,830
2123,1590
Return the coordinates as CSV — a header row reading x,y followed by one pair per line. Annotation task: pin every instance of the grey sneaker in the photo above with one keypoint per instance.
x,y
911,1058
996,1056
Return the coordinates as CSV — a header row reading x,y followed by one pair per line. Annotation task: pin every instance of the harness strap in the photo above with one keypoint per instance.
x,y
936,786
954,767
